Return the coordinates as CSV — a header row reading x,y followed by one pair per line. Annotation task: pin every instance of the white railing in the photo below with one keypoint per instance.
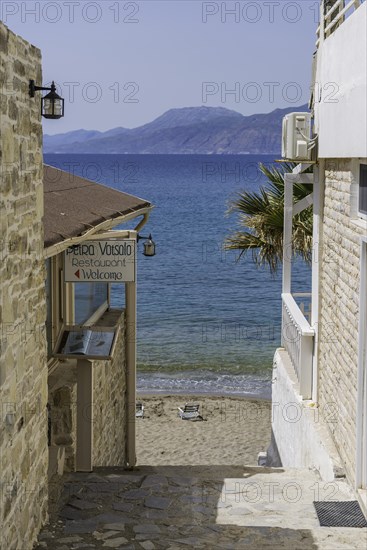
x,y
304,302
298,340
333,14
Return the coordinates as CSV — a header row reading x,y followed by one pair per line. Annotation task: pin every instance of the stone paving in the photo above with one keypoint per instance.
x,y
212,507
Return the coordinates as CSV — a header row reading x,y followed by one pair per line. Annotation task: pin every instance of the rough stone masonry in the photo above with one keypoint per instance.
x,y
23,362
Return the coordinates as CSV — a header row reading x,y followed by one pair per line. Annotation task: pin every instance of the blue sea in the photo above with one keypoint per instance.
x,y
208,322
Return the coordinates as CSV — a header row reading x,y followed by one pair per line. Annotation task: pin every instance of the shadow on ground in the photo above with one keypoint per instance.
x,y
175,507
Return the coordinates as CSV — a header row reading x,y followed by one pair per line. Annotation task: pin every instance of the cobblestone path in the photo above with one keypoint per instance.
x,y
195,507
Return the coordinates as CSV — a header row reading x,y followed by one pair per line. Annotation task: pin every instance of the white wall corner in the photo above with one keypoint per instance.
x,y
301,435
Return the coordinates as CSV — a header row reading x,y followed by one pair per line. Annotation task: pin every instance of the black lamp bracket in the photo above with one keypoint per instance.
x,y
139,237
33,88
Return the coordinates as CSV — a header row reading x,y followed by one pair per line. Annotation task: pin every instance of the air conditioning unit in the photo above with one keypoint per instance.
x,y
296,136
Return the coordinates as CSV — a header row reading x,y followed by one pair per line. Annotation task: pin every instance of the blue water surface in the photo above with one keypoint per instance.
x,y
206,321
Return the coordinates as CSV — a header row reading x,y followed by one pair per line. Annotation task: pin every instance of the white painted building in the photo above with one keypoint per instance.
x,y
320,373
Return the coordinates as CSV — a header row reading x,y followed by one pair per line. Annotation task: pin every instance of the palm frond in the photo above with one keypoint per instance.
x,y
261,218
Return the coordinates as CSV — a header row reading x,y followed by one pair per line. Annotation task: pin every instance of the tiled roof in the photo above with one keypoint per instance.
x,y
73,205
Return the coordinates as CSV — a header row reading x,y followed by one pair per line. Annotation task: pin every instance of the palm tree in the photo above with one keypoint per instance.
x,y
261,216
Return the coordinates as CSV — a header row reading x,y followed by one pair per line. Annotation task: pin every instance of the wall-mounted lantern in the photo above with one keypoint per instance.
x,y
149,246
52,105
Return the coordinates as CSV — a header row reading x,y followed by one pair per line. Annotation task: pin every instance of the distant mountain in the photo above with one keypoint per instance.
x,y
76,136
191,130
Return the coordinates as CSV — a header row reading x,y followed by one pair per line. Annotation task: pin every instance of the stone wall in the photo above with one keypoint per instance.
x,y
339,311
62,401
109,411
23,369
110,406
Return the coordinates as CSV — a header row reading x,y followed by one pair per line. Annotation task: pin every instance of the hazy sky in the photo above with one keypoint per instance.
x,y
122,63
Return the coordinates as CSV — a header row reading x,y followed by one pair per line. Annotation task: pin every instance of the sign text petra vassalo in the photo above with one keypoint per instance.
x,y
101,261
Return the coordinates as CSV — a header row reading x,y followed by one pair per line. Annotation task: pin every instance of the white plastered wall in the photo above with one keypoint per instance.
x,y
341,91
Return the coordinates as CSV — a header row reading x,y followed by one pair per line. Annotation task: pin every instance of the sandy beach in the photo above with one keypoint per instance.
x,y
233,431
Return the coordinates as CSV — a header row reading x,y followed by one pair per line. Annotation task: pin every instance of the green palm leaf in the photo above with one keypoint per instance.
x,y
261,220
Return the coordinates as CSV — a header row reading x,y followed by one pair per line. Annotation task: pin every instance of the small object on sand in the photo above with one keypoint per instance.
x,y
139,410
190,411
262,458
